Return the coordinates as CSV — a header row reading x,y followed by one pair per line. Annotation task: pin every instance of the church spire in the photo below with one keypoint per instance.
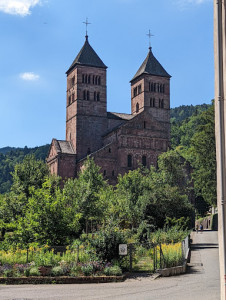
x,y
151,66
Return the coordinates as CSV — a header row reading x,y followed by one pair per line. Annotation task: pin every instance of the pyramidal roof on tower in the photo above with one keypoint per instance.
x,y
151,66
87,57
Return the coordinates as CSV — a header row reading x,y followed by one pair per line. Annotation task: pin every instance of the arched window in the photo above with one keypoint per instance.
x,y
152,87
109,150
137,107
83,78
86,79
89,79
163,88
129,161
95,96
144,161
99,80
135,92
73,81
162,103
84,95
95,79
69,100
87,95
151,102
98,96
105,172
144,124
113,173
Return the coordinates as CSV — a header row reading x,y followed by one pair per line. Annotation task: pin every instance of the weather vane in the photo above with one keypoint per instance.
x,y
87,23
149,35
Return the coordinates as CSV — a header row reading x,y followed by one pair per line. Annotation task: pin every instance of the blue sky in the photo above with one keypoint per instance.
x,y
40,39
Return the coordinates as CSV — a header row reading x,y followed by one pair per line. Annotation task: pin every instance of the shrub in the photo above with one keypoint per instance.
x,y
75,270
106,243
113,271
34,271
57,271
87,269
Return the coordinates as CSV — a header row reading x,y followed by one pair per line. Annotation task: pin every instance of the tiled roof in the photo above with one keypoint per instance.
x,y
63,147
87,57
119,116
151,66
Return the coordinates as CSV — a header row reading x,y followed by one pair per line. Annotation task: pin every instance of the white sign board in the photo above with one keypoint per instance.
x,y
123,249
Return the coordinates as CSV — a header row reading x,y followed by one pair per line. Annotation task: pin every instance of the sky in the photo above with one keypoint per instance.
x,y
39,39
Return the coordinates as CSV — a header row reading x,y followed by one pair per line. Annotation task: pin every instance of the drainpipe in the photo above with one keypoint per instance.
x,y
221,163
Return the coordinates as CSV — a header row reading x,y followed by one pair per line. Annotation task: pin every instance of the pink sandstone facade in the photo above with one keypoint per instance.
x,y
117,142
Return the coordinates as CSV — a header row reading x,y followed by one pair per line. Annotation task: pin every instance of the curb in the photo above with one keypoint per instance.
x,y
61,280
173,271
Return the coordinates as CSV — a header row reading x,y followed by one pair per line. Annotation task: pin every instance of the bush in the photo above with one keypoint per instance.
x,y
106,243
75,270
57,271
34,271
87,270
113,271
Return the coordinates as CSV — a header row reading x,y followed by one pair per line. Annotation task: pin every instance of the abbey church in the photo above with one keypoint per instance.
x,y
117,142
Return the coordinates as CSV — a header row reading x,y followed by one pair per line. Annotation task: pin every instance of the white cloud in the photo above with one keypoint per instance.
x,y
18,7
29,76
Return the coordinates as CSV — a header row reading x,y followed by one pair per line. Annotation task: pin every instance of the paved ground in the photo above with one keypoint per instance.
x,y
201,283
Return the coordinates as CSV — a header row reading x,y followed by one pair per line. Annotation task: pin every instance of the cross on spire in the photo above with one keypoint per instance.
x,y
87,23
149,35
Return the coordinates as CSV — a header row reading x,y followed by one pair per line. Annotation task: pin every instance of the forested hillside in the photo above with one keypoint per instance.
x,y
9,157
179,114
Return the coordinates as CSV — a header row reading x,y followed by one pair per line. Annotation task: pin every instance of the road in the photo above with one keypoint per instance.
x,y
200,283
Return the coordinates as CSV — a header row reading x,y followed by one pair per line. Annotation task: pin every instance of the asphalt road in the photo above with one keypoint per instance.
x,y
200,283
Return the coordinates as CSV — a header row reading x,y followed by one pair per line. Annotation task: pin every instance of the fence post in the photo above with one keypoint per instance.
x,y
77,253
130,258
27,254
183,250
160,250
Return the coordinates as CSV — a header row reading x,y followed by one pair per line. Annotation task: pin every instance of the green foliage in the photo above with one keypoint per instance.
x,y
34,271
9,157
29,174
83,194
194,139
113,271
167,235
57,271
106,242
87,269
49,218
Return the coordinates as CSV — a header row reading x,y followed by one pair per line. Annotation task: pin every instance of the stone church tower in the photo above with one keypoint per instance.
x,y
118,142
86,117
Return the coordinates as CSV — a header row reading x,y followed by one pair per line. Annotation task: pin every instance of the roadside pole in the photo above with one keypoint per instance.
x,y
220,61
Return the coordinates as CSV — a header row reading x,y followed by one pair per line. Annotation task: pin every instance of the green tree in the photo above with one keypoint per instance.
x,y
84,193
49,218
29,173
